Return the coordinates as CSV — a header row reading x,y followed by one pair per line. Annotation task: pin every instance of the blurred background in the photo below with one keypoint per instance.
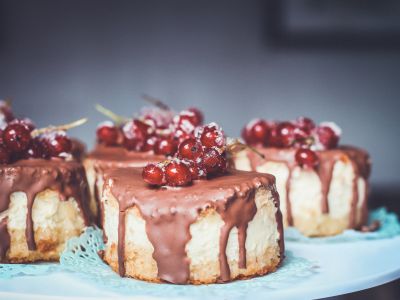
x,y
235,60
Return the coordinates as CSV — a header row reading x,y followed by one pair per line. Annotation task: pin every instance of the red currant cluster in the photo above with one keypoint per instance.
x,y
17,142
155,130
198,156
302,133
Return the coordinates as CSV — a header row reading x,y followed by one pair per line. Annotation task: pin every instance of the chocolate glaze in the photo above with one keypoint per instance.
x,y
359,159
169,212
4,239
118,157
34,176
104,158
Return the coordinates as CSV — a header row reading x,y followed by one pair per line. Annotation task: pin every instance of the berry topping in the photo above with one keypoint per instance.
x,y
213,161
37,149
6,112
256,132
150,143
190,149
166,146
17,137
328,135
153,174
306,158
198,117
58,143
135,134
212,136
108,134
285,134
177,174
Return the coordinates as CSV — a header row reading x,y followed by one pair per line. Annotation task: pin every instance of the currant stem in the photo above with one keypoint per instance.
x,y
110,114
236,146
64,127
156,102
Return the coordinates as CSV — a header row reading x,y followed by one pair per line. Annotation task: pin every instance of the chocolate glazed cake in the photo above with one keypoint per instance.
x,y
42,204
320,201
216,230
106,157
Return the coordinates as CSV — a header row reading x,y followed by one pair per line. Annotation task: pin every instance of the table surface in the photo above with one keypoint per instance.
x,y
340,268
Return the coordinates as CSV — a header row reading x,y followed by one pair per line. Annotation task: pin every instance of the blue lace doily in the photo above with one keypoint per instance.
x,y
12,270
81,256
390,227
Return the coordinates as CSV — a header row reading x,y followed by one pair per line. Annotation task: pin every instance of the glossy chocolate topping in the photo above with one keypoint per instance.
x,y
359,159
169,212
34,176
111,157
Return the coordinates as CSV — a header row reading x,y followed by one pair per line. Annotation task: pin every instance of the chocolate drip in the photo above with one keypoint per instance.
x,y
169,212
4,239
327,158
238,211
34,176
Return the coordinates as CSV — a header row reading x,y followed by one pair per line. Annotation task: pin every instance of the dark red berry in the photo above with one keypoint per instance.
x,y
150,143
16,137
153,174
186,121
58,144
256,132
135,134
4,155
26,122
5,110
196,170
37,149
304,128
285,134
165,146
108,134
198,116
177,174
306,158
190,149
327,137
212,161
212,136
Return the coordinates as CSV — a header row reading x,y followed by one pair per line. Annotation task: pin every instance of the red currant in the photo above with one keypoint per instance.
x,y
190,149
285,134
327,137
165,146
306,158
212,136
196,170
198,116
37,149
6,111
186,121
4,155
256,132
149,144
212,161
17,137
177,174
59,143
135,134
153,174
108,134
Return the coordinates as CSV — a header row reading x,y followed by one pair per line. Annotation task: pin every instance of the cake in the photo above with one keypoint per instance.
x,y
323,186
152,136
190,220
44,192
215,230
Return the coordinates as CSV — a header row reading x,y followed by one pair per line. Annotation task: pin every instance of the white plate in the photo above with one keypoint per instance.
x,y
340,268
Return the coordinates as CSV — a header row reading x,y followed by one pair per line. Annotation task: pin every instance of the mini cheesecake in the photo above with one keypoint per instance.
x,y
214,230
323,186
43,203
106,157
